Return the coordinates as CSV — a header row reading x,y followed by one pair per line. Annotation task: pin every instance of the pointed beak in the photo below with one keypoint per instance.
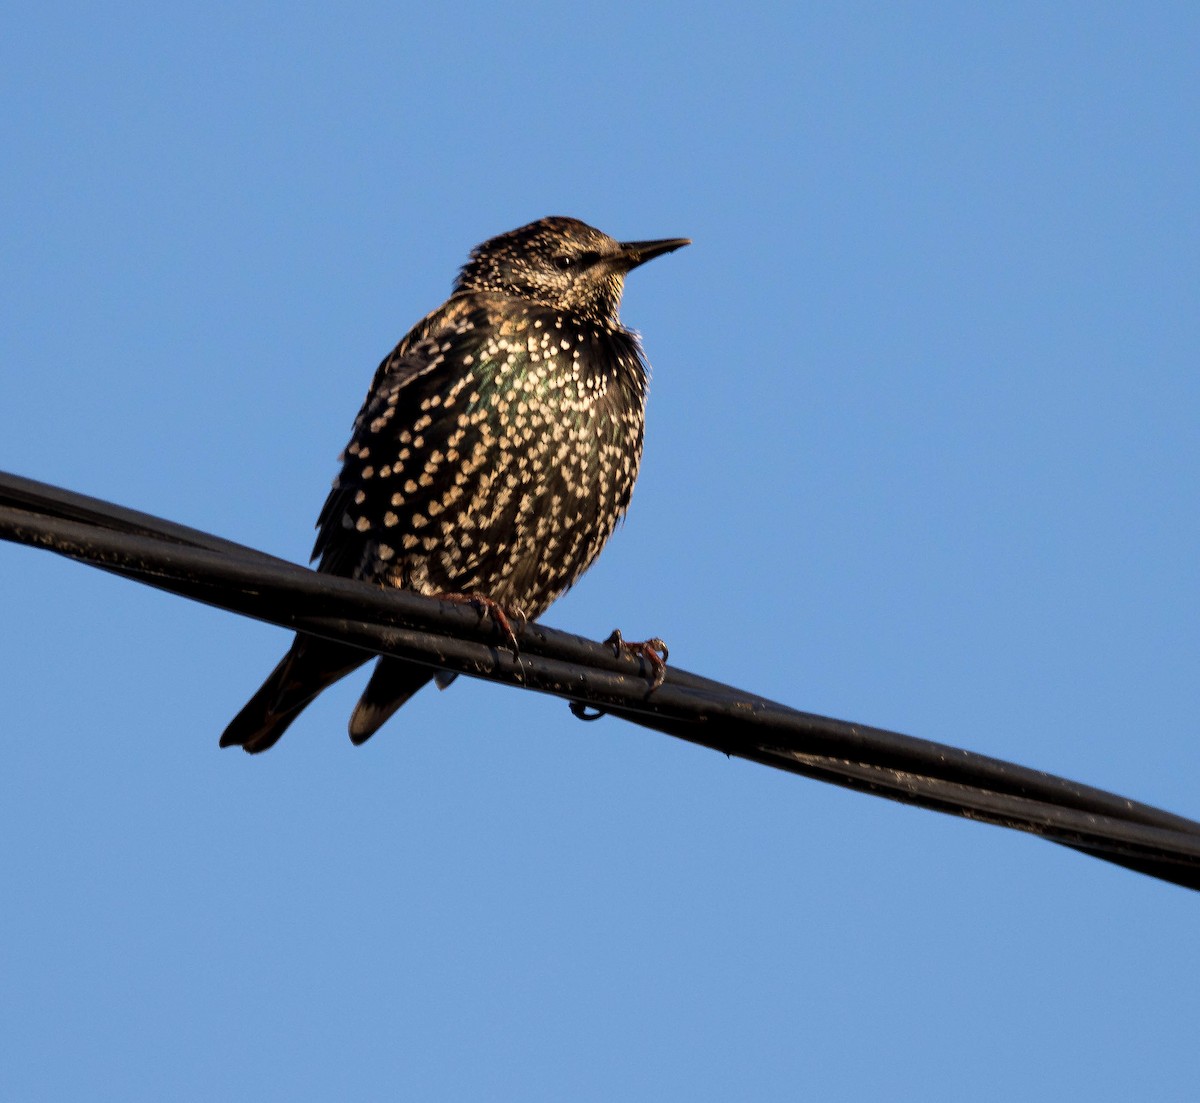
x,y
638,252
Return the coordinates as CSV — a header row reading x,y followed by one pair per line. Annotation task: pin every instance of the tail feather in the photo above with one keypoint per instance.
x,y
392,683
310,665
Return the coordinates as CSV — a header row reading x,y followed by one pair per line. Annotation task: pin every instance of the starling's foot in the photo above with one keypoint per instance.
x,y
653,650
500,615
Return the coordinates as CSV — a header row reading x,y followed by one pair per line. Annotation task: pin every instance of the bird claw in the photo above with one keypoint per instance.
x,y
653,650
500,616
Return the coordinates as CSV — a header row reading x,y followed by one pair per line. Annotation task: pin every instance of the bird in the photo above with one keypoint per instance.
x,y
494,455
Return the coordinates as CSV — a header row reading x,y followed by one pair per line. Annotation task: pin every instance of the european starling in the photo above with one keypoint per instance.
x,y
495,452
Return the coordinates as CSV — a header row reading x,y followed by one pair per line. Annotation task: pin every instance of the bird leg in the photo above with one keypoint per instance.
x,y
653,650
500,616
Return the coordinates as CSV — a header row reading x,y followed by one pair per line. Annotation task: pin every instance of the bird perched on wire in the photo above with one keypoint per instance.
x,y
495,452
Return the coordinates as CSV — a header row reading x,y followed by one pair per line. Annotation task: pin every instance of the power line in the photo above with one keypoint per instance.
x,y
448,636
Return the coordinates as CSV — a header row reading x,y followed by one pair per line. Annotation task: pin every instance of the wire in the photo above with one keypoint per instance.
x,y
593,676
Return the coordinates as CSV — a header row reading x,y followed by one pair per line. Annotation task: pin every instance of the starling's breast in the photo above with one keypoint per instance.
x,y
495,455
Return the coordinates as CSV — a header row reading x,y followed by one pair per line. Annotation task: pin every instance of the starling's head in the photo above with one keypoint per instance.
x,y
561,263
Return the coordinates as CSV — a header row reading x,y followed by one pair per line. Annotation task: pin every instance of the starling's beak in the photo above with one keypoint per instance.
x,y
638,252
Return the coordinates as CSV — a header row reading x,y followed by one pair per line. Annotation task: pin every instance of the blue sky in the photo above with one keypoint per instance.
x,y
921,453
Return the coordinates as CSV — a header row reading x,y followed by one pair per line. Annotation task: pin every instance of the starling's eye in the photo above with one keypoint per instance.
x,y
565,263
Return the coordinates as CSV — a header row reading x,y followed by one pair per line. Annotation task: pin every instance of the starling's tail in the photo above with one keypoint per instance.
x,y
310,665
393,682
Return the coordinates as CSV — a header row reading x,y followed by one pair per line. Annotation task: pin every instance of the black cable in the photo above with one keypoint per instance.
x,y
449,636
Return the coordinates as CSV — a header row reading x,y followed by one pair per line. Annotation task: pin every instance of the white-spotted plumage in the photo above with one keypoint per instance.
x,y
495,453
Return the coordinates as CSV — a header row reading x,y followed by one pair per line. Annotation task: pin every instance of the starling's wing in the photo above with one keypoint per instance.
x,y
415,372
405,394
310,666
373,439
